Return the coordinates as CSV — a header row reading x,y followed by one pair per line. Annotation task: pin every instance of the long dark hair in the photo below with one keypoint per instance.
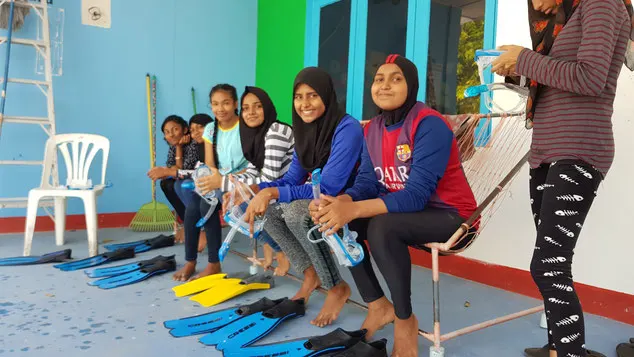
x,y
178,121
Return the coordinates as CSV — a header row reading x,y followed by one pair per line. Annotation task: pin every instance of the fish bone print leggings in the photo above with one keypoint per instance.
x,y
561,196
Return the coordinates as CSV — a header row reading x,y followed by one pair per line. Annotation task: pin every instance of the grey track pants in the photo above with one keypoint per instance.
x,y
288,224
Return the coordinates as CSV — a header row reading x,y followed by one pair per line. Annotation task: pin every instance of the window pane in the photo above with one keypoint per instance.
x,y
387,34
456,31
334,40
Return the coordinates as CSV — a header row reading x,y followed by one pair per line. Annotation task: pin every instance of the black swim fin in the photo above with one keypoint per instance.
x,y
254,327
211,321
125,268
334,342
55,257
158,267
119,254
377,348
625,349
140,246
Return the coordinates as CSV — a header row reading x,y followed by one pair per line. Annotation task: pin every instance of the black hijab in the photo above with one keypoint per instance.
x,y
410,72
313,140
200,119
252,139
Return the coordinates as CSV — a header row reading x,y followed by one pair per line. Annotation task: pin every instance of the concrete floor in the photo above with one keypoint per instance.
x,y
44,311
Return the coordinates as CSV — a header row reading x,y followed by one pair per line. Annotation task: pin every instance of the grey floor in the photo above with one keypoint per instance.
x,y
46,312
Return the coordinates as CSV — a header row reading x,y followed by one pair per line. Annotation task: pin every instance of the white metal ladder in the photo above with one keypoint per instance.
x,y
43,47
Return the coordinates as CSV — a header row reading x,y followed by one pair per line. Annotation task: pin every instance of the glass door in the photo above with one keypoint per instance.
x,y
351,38
328,41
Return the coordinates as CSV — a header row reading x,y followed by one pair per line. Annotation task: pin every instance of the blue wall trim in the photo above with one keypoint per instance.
x,y
356,58
490,30
311,36
417,42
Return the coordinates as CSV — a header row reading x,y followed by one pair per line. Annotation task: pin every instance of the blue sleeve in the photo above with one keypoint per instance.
x,y
366,185
432,148
296,175
347,144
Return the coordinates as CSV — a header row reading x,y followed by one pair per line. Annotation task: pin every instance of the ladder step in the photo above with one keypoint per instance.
x,y
23,162
24,41
22,202
26,120
26,81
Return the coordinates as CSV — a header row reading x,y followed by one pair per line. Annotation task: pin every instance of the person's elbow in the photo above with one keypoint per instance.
x,y
590,81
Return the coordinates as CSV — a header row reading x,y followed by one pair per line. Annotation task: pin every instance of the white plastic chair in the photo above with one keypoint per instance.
x,y
78,151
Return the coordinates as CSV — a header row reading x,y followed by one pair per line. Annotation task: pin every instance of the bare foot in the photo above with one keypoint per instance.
x,y
180,233
185,272
202,241
268,256
283,264
311,282
336,298
210,269
380,313
405,337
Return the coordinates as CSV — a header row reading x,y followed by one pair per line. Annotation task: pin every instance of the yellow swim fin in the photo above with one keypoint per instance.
x,y
223,292
206,282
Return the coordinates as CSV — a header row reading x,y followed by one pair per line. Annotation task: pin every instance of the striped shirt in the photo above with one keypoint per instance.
x,y
573,112
278,153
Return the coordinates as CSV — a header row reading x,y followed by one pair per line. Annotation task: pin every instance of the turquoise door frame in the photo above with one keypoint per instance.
x,y
417,45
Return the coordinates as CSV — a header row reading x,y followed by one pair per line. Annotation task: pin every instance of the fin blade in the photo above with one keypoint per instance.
x,y
292,348
212,323
221,293
80,264
17,261
199,285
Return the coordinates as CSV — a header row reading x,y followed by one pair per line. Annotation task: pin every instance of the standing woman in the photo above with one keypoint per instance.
x,y
579,48
410,190
268,145
223,154
326,138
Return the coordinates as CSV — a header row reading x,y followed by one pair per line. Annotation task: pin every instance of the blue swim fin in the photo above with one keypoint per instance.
x,y
157,268
329,344
252,328
119,254
55,257
212,321
122,269
140,246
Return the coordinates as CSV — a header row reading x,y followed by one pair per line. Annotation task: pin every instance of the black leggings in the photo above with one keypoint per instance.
x,y
167,185
197,209
389,236
561,196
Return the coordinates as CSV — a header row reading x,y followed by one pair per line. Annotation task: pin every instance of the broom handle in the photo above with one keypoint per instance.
x,y
154,127
149,122
194,100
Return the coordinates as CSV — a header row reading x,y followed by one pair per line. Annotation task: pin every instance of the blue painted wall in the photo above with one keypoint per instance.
x,y
102,89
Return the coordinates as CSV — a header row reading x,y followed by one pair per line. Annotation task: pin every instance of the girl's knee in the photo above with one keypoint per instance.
x,y
378,232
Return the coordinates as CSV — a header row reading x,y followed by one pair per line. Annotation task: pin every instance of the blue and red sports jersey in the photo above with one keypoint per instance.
x,y
417,162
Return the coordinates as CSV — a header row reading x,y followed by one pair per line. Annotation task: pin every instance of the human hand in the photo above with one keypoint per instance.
x,y
258,206
210,182
334,213
504,65
184,140
157,173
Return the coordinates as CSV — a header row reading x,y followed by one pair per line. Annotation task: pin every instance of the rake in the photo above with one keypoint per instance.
x,y
153,216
